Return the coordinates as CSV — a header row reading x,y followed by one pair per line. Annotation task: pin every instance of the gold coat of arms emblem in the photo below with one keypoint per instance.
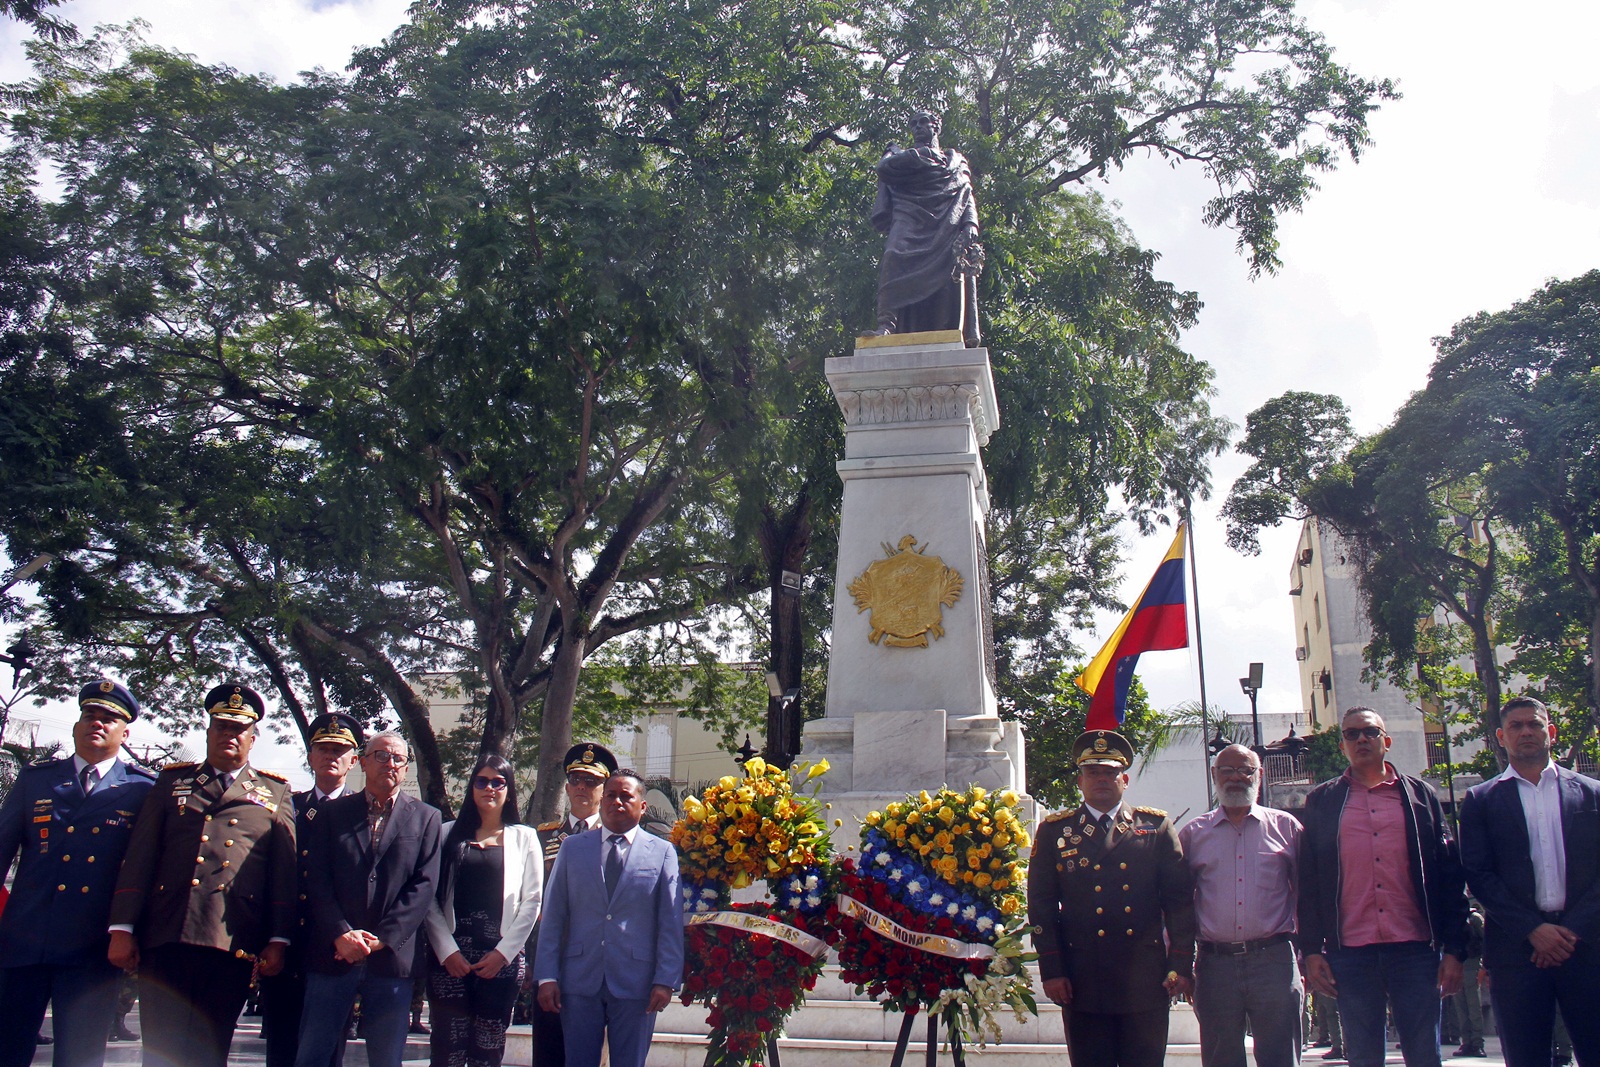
x,y
906,593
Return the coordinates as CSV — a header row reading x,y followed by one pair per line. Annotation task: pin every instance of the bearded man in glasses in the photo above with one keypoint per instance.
x,y
377,869
1383,904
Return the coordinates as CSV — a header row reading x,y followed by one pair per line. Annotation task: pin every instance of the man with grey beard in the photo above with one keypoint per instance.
x,y
1245,861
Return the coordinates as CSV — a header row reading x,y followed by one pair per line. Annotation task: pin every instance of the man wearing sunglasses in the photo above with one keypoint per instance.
x,y
1383,905
588,766
376,869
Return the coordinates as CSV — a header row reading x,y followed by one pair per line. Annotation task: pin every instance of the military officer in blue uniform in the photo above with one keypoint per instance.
x,y
335,739
207,891
71,820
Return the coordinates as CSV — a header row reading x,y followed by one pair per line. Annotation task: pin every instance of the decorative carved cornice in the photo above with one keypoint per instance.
x,y
915,403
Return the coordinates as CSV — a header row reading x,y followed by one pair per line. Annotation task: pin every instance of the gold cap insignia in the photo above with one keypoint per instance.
x,y
106,687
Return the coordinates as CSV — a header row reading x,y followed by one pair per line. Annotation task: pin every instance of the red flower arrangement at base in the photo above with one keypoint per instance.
x,y
752,964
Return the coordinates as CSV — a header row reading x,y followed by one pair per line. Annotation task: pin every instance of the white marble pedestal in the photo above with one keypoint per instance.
x,y
917,409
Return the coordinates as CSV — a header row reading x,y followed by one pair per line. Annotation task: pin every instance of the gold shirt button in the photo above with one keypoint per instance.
x,y
1099,911
199,859
1124,866
1097,866
94,830
1125,888
72,829
225,863
1130,933
302,897
1097,889
194,881
203,837
208,818
1102,933
227,844
85,889
307,852
1129,909
233,822
59,888
65,858
91,859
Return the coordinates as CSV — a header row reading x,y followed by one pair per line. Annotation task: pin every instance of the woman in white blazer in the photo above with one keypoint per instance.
x,y
491,878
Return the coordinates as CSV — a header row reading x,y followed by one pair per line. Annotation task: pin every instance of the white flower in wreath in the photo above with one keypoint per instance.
x,y
913,887
709,893
985,924
969,913
814,901
881,859
812,881
953,910
936,900
896,874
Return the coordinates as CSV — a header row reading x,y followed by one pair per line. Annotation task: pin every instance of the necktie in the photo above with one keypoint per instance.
x,y
614,862
1105,826
89,778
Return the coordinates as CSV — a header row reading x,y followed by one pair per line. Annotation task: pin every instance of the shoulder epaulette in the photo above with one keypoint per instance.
x,y
178,767
143,772
1157,812
274,775
554,824
1054,816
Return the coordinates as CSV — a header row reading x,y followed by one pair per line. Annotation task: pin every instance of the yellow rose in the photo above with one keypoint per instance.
x,y
1023,840
1010,905
981,880
874,818
728,781
979,792
947,815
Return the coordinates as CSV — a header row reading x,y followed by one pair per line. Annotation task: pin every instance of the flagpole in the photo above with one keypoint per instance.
x,y
1199,648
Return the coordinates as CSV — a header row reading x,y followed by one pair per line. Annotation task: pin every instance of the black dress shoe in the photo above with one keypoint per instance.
x,y
419,1027
120,1032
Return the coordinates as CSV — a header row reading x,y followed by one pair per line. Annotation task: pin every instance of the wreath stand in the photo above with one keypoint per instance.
x,y
933,1042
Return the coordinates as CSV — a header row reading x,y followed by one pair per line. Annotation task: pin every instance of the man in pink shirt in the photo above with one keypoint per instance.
x,y
1383,905
1244,859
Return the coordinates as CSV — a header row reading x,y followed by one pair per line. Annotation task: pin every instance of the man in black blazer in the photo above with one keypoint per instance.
x,y
377,865
1530,842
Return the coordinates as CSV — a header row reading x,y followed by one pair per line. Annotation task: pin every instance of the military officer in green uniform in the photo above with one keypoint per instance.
x,y
1110,897
207,889
588,766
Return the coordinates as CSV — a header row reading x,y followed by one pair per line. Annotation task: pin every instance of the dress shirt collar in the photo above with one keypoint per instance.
x,y
629,834
1098,813
578,826
101,769
1390,777
379,807
227,778
1547,775
319,796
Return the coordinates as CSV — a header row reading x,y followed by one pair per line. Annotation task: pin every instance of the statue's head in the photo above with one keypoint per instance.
x,y
925,126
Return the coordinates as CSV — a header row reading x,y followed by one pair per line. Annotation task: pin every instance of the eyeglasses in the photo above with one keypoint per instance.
x,y
1235,772
1356,733
388,757
584,781
496,784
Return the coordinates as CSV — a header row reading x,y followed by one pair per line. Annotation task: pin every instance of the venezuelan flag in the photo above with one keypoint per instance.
x,y
1158,620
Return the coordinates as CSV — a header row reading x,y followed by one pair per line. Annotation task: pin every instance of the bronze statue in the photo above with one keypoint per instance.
x,y
931,259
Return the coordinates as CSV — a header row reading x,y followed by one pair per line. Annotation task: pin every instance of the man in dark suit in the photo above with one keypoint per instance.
x,y
588,766
1111,900
71,820
611,938
376,868
207,890
1530,843
335,738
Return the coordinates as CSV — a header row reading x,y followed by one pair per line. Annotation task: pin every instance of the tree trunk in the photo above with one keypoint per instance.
x,y
555,727
784,544
1484,662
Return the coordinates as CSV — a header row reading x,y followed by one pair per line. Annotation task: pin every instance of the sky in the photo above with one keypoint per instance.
x,y
1480,186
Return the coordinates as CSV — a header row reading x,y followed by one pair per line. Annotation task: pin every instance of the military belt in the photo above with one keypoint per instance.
x,y
1240,948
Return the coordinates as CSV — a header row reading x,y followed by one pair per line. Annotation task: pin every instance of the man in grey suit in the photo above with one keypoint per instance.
x,y
611,936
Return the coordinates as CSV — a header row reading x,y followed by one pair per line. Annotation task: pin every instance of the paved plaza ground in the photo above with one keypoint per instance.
x,y
250,1051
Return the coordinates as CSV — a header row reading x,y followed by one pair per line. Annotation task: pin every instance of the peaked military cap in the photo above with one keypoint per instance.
x,y
1105,748
109,696
338,727
233,702
590,758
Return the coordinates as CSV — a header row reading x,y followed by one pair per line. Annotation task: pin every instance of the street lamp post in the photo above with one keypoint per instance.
x,y
1251,684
